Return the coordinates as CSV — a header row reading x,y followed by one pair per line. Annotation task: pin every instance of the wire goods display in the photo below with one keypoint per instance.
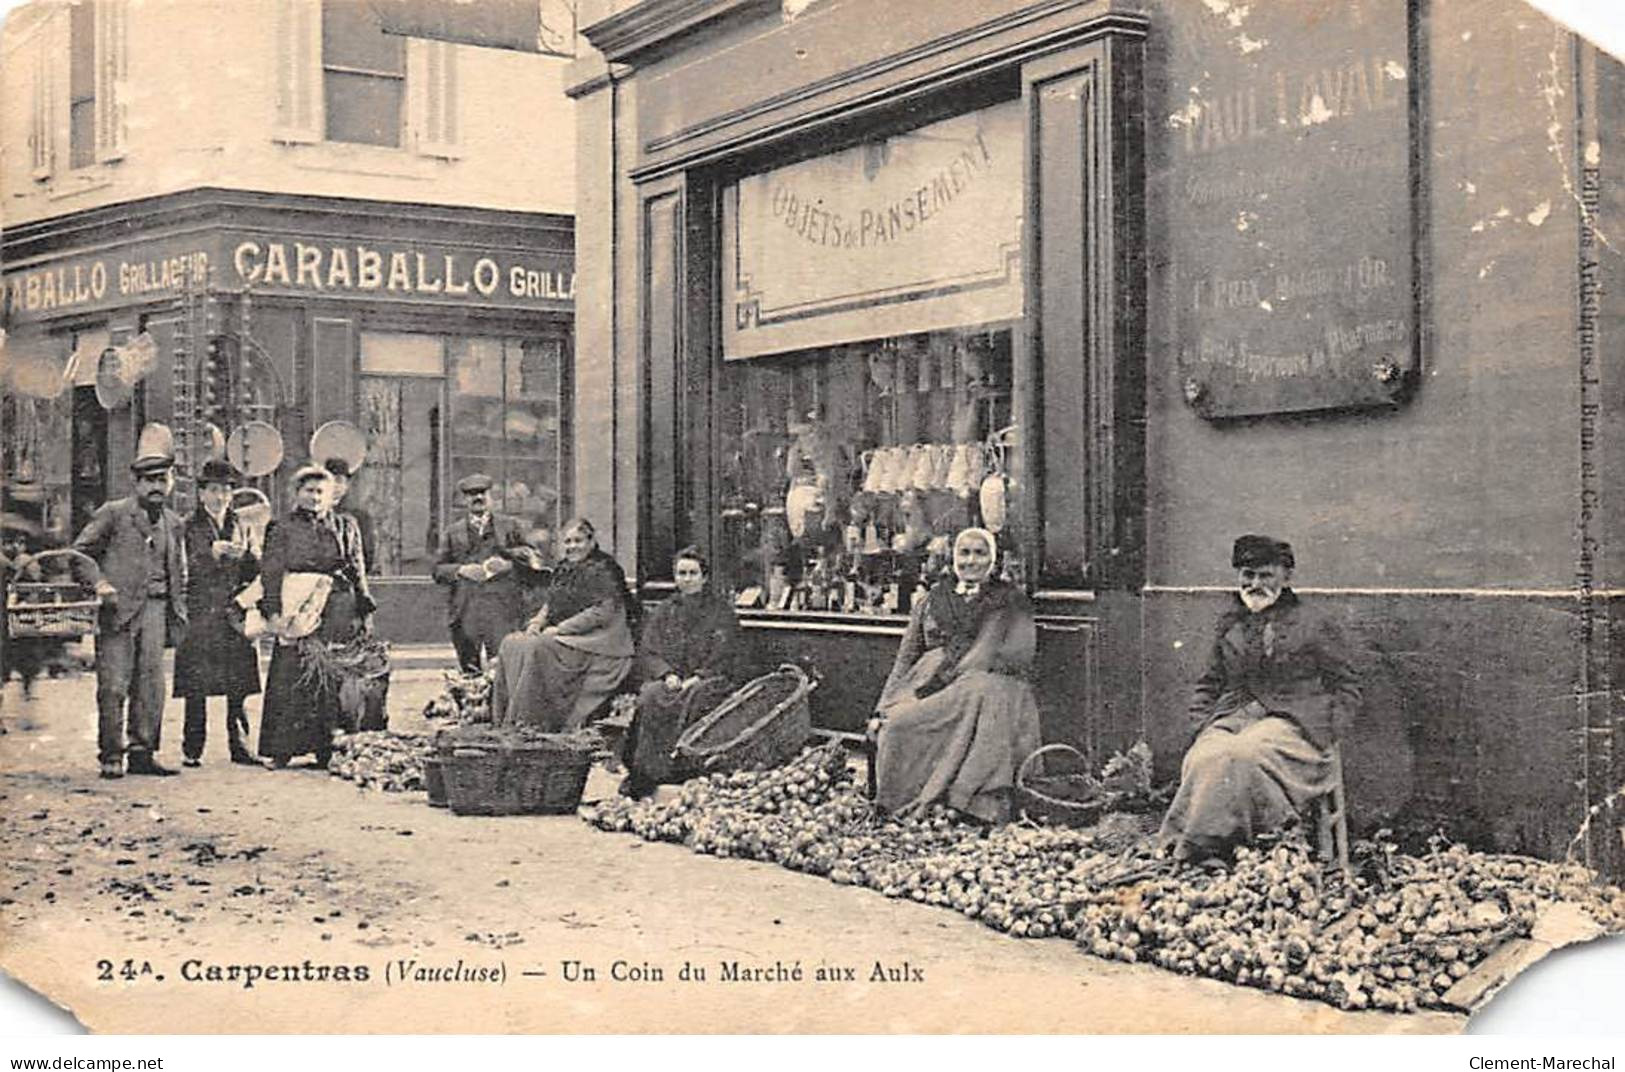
x,y
58,609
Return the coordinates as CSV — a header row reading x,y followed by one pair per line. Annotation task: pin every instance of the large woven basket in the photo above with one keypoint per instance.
x,y
764,724
60,610
529,778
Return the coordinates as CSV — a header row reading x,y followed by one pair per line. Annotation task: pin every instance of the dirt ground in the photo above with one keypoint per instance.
x,y
131,902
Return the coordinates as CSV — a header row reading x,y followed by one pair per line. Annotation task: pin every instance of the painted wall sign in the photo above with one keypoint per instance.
x,y
271,264
917,232
1290,206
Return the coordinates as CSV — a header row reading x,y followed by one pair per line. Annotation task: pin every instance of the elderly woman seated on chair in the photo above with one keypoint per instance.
x,y
1279,689
957,715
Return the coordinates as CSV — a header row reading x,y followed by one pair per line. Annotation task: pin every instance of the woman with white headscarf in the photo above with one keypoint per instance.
x,y
957,714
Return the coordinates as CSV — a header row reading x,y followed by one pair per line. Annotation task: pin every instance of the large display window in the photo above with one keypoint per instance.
x,y
846,470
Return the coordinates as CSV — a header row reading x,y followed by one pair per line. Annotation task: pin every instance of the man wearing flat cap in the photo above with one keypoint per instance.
x,y
140,573
477,562
1279,689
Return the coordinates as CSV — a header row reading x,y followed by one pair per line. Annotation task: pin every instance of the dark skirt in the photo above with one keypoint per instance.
x,y
299,719
215,660
663,715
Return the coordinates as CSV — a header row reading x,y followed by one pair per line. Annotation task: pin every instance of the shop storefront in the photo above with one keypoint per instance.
x,y
1123,281
443,334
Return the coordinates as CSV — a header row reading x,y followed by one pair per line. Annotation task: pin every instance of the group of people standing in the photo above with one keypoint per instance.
x,y
953,722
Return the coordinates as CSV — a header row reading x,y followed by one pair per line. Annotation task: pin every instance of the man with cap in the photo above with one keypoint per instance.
x,y
215,659
140,573
476,561
340,469
1279,689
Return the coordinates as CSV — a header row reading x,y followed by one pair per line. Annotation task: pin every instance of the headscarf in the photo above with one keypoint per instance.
x,y
967,588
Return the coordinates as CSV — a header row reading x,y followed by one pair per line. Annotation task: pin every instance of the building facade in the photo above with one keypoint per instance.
x,y
322,222
1124,280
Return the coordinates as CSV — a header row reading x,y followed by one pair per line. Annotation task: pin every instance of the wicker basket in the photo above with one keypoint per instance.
x,y
1070,800
764,724
530,778
58,610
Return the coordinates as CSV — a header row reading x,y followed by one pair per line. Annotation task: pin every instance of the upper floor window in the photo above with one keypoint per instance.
x,y
363,75
82,84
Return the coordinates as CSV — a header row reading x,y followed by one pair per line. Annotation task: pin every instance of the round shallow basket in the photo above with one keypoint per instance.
x,y
530,778
58,610
1068,799
764,724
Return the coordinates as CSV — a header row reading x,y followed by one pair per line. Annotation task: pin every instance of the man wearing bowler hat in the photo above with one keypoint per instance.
x,y
140,573
476,561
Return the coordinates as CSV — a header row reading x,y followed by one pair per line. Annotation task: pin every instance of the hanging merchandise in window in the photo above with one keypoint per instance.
x,y
845,471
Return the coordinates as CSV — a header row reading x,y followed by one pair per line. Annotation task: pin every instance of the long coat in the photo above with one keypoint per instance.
x,y
116,538
1291,659
215,659
498,599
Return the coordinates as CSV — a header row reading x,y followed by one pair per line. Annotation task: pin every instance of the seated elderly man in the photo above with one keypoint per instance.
x,y
1278,690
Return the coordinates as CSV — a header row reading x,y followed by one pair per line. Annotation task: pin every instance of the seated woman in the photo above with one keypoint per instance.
x,y
957,715
576,651
1278,691
688,659
299,715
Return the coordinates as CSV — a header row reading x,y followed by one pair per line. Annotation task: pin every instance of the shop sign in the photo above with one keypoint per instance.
x,y
107,280
917,232
399,271
1290,207
164,267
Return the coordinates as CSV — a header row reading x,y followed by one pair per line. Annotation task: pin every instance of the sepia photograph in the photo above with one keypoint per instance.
x,y
809,517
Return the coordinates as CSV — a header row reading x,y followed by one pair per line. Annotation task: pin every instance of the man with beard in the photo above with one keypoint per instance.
x,y
476,561
140,573
1279,690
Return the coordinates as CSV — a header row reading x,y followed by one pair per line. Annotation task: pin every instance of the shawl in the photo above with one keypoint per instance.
x,y
591,581
959,620
690,635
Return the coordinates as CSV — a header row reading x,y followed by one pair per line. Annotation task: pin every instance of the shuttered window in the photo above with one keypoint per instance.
x,y
363,75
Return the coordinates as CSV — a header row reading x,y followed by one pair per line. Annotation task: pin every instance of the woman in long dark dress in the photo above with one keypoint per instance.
x,y
302,713
215,659
688,660
576,651
957,715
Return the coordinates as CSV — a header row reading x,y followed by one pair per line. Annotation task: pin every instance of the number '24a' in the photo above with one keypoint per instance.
x,y
129,971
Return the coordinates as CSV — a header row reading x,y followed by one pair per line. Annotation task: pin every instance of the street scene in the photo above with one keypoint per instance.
x,y
650,516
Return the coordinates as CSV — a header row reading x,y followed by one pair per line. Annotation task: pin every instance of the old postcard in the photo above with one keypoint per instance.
x,y
807,516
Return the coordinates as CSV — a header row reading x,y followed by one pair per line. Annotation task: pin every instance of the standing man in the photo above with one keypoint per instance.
x,y
484,602
215,659
140,574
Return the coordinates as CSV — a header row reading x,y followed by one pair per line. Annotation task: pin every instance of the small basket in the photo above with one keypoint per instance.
x,y
764,724
57,610
1060,798
530,778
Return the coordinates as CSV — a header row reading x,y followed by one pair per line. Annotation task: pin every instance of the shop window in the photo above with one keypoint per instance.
x,y
436,409
508,422
845,471
363,75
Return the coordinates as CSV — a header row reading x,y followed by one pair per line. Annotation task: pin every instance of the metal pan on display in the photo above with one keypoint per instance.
x,y
339,439
255,449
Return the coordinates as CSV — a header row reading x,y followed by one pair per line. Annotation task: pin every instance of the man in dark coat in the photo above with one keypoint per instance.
x,y
215,659
1279,689
476,561
140,574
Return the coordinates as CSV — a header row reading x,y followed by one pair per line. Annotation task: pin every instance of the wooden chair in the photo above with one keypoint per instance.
x,y
1330,812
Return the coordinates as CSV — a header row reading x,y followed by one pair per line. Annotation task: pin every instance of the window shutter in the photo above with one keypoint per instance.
x,y
298,70
431,86
112,72
49,111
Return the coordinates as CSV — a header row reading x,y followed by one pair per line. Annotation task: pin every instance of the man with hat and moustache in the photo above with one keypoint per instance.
x,y
1279,689
476,561
140,573
215,659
